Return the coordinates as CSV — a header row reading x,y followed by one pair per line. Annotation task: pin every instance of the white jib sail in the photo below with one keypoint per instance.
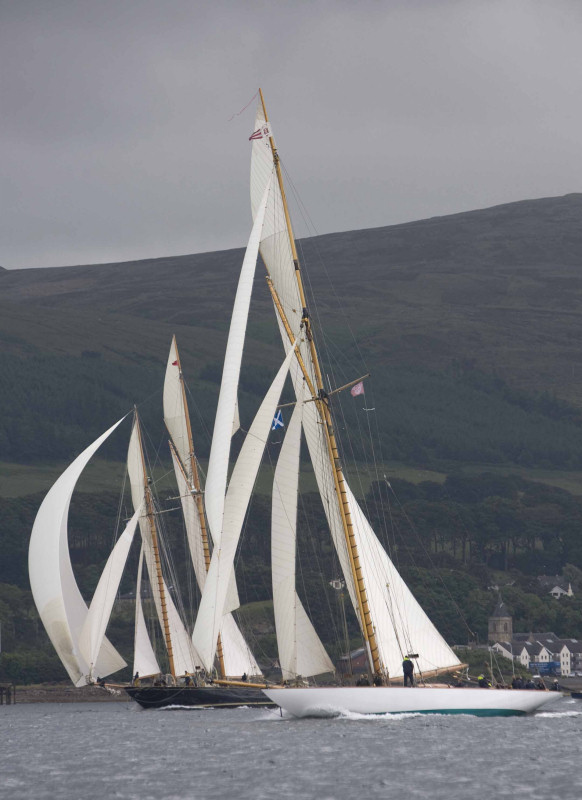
x,y
101,606
400,624
227,409
238,657
174,411
184,655
144,658
300,649
56,594
240,487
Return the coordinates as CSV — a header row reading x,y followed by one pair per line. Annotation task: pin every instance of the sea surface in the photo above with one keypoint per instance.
x,y
80,751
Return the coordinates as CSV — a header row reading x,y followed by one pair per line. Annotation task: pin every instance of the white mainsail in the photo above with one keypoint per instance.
x,y
276,252
241,484
300,649
184,654
97,619
56,594
144,658
388,596
227,409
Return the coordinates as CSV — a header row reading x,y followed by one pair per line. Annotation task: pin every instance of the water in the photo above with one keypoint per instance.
x,y
81,751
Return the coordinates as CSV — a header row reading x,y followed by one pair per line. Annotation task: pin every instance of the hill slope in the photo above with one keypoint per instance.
x,y
465,322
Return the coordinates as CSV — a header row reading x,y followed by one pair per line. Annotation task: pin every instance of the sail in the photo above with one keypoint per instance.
x,y
241,484
227,409
238,658
192,523
385,606
400,624
101,606
300,649
184,655
55,591
174,410
144,659
276,252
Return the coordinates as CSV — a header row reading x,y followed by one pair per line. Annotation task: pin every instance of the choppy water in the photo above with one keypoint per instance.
x,y
115,750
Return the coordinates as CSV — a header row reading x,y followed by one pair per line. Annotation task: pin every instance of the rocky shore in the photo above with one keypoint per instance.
x,y
65,693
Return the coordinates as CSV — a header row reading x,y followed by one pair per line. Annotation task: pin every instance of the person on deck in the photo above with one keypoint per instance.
x,y
408,671
136,679
483,682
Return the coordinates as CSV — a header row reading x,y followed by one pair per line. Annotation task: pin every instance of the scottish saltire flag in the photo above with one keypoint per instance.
x,y
277,421
357,389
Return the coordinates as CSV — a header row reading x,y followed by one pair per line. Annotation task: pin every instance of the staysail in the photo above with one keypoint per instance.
x,y
301,652
97,619
144,658
56,594
239,492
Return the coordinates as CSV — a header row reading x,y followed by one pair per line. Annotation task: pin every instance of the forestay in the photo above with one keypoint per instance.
x,y
56,594
239,492
300,649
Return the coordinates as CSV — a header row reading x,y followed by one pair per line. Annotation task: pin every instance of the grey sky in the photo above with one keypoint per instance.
x,y
114,116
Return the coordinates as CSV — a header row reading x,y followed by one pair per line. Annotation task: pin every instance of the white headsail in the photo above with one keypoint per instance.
x,y
241,484
144,658
184,654
227,409
101,606
400,623
174,411
300,649
56,594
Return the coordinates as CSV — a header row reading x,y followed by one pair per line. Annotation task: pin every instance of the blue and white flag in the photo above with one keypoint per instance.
x,y
277,421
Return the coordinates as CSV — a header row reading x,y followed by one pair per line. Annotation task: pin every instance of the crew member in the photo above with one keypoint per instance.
x,y
483,682
408,670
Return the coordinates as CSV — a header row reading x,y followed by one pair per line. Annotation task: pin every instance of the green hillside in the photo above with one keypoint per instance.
x,y
470,326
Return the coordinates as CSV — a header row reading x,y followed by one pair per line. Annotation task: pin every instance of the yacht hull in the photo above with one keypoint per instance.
x,y
334,701
197,696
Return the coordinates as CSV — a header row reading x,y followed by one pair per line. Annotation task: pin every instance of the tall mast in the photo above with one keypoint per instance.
x,y
196,492
150,513
322,404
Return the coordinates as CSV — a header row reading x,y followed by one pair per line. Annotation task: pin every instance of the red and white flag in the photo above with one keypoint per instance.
x,y
261,133
357,389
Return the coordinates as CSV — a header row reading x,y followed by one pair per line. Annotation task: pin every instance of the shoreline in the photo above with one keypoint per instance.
x,y
68,694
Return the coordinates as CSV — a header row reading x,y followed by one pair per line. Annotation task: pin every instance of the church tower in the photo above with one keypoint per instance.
x,y
500,624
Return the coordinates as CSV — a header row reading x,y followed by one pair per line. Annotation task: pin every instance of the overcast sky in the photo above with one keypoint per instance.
x,y
117,142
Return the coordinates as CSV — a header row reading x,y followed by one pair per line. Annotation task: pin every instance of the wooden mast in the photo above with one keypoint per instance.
x,y
321,400
196,491
154,534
